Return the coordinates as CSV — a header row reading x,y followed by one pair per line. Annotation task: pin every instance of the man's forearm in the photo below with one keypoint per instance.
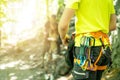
x,y
64,22
62,31
112,25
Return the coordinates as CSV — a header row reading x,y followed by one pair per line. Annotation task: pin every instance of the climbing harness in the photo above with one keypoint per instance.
x,y
84,58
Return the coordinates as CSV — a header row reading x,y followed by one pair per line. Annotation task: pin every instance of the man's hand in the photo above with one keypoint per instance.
x,y
65,40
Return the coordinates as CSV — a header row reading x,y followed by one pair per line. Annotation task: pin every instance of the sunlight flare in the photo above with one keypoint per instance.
x,y
27,19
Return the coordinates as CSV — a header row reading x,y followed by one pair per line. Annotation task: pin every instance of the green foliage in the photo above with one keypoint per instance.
x,y
115,70
60,3
117,7
60,9
116,50
3,3
3,14
116,41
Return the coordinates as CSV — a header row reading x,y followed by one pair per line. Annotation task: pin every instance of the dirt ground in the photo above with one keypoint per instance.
x,y
23,61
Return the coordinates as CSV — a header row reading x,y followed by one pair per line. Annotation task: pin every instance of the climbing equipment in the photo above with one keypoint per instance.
x,y
84,58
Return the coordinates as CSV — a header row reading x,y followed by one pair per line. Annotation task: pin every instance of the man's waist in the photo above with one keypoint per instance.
x,y
100,38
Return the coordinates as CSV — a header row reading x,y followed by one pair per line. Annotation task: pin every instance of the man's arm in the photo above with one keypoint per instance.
x,y
64,22
112,25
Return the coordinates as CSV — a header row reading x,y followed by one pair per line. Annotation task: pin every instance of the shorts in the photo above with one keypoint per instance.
x,y
79,74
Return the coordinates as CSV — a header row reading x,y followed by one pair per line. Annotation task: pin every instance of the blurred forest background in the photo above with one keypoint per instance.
x,y
30,47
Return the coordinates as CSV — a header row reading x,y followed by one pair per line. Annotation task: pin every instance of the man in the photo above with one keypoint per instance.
x,y
94,20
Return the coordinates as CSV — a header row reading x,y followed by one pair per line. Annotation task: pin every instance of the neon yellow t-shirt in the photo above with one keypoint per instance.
x,y
91,16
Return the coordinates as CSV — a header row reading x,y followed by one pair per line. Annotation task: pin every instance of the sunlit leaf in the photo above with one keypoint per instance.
x,y
3,2
2,14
